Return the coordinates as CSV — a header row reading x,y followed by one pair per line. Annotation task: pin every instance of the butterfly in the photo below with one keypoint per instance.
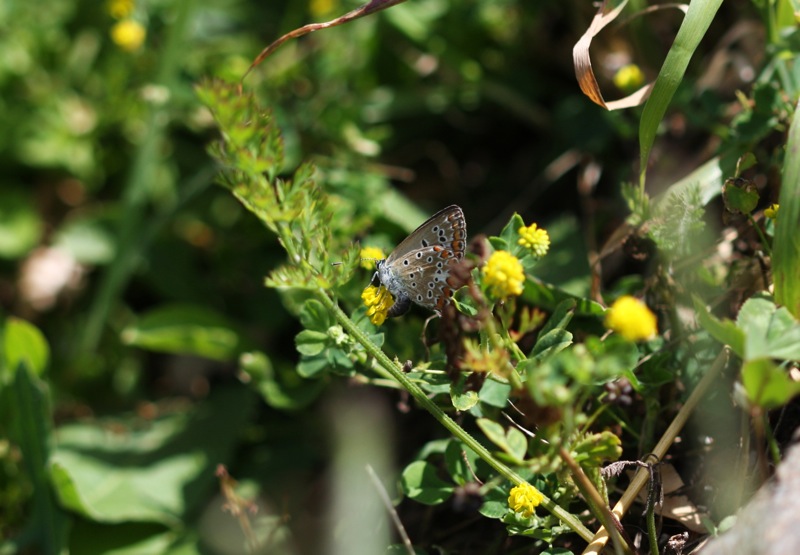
x,y
418,270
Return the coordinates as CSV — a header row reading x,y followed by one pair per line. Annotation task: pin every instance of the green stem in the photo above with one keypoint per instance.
x,y
449,424
651,527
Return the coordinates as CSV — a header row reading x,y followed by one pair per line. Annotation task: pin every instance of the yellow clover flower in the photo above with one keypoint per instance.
x,y
631,318
524,499
534,238
503,275
128,34
629,78
772,211
120,9
369,255
378,301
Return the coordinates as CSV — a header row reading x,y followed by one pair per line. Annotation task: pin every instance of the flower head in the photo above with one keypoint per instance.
x,y
369,255
629,78
378,301
534,238
128,34
120,9
772,211
503,275
631,318
524,499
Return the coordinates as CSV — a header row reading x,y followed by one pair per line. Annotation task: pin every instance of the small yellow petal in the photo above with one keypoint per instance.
x,y
772,211
378,301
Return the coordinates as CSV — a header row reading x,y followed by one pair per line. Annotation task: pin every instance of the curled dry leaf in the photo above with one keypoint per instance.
x,y
583,62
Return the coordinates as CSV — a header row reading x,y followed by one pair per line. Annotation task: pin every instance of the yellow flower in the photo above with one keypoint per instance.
x,y
631,318
524,499
534,238
772,211
629,78
322,7
369,255
503,275
378,301
128,34
120,9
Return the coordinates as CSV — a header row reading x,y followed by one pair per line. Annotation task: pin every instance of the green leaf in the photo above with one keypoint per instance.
x,y
595,449
282,388
494,393
517,443
31,431
769,331
767,385
185,329
462,398
692,30
148,471
551,343
310,342
314,316
20,224
23,342
723,331
420,483
786,247
740,196
561,316
493,431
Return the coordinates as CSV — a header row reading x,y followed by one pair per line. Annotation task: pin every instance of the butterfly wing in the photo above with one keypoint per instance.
x,y
420,265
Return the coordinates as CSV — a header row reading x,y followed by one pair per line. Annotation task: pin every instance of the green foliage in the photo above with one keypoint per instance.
x,y
134,269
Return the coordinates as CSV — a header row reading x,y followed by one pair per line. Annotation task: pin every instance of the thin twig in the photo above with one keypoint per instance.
x,y
392,511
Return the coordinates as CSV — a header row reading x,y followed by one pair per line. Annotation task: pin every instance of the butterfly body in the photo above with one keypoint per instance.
x,y
418,270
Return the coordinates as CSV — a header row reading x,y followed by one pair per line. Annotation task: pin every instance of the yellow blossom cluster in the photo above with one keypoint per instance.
x,y
631,318
503,275
535,239
378,301
127,32
772,211
524,499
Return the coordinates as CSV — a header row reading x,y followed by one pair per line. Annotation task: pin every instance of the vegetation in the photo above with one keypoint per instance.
x,y
196,368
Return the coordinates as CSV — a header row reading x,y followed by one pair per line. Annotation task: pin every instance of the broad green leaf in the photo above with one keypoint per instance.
x,y
311,342
120,470
786,247
740,196
463,399
494,393
420,483
282,388
723,331
493,431
595,449
551,343
186,329
23,341
20,224
517,443
767,385
692,30
769,331
31,431
560,318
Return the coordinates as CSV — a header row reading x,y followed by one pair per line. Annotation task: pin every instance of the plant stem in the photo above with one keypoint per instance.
x,y
396,372
643,475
